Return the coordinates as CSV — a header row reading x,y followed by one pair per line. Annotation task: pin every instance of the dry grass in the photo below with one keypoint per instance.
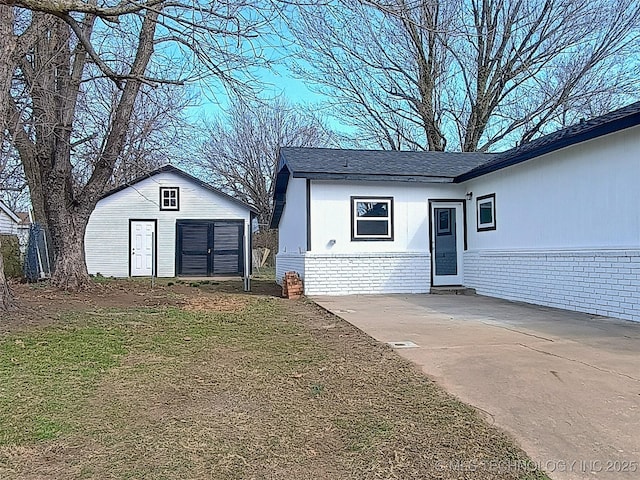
x,y
217,385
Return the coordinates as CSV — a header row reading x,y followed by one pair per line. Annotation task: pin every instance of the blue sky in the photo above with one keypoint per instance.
x,y
276,81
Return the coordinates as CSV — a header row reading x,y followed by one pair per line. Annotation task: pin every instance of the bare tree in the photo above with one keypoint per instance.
x,y
158,131
13,185
64,50
468,75
241,152
7,48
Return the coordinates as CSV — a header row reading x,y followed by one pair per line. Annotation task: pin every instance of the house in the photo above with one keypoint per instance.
x,y
168,223
9,221
555,221
15,223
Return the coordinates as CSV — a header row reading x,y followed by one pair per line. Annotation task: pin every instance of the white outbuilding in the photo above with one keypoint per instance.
x,y
9,221
168,223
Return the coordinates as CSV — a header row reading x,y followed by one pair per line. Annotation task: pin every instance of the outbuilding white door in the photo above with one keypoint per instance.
x,y
447,243
142,247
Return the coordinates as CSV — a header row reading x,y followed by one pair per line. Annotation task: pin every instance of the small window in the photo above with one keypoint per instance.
x,y
444,221
486,210
371,218
169,198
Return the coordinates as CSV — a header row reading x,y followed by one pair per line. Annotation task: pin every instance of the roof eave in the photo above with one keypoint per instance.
x,y
9,212
371,177
172,169
279,195
595,132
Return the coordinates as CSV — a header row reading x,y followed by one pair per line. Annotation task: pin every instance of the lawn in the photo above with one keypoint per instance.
x,y
196,381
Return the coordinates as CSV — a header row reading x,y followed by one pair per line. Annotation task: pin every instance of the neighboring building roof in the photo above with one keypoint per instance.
x,y
183,174
24,218
432,167
9,212
615,121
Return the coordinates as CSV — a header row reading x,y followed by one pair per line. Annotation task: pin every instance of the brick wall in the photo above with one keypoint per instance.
x,y
358,273
289,262
603,282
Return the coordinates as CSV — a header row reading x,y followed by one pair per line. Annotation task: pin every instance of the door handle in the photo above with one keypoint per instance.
x,y
208,251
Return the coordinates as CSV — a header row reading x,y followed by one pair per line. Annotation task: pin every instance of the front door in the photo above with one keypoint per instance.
x,y
142,247
447,243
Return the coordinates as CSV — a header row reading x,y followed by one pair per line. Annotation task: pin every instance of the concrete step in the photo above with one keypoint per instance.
x,y
452,291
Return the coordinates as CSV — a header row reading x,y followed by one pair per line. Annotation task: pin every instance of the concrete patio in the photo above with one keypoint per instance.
x,y
566,385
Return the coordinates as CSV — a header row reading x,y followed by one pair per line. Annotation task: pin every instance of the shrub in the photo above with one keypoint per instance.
x,y
10,252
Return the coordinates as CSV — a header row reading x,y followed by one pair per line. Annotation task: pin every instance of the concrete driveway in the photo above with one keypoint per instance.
x,y
566,385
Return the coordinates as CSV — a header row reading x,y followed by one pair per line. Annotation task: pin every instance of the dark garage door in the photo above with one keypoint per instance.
x,y
205,248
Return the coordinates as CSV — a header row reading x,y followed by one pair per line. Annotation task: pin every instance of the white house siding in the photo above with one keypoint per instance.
x,y
568,229
331,215
292,231
8,226
336,265
107,237
289,262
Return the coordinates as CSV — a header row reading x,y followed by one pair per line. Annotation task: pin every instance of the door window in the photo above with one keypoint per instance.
x,y
446,250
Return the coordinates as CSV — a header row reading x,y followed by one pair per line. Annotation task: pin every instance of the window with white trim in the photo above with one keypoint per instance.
x,y
372,218
169,198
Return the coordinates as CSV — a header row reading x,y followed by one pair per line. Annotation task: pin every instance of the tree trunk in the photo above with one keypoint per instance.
x,y
6,300
69,267
7,47
67,222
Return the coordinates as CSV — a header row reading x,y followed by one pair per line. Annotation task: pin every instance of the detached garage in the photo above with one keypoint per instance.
x,y
169,223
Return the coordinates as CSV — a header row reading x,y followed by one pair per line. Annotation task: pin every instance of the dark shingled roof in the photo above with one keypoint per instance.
x,y
615,121
433,167
327,163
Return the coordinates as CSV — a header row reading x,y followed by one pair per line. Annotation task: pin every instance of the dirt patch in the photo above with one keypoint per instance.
x,y
242,387
208,302
41,305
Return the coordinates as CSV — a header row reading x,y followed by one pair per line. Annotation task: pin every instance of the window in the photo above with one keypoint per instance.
x,y
444,221
169,198
371,218
486,211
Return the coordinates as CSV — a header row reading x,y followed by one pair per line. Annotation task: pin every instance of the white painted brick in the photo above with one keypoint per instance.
x,y
605,282
342,274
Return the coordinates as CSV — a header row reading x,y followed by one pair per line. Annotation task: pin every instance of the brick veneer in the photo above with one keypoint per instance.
x,y
358,273
603,282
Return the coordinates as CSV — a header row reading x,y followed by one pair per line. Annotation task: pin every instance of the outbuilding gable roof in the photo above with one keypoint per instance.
x,y
175,170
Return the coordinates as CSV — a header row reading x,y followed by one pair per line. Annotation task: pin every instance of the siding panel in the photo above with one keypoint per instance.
x,y
107,236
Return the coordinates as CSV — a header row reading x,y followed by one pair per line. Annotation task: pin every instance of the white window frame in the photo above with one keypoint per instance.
x,y
484,200
168,206
355,219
